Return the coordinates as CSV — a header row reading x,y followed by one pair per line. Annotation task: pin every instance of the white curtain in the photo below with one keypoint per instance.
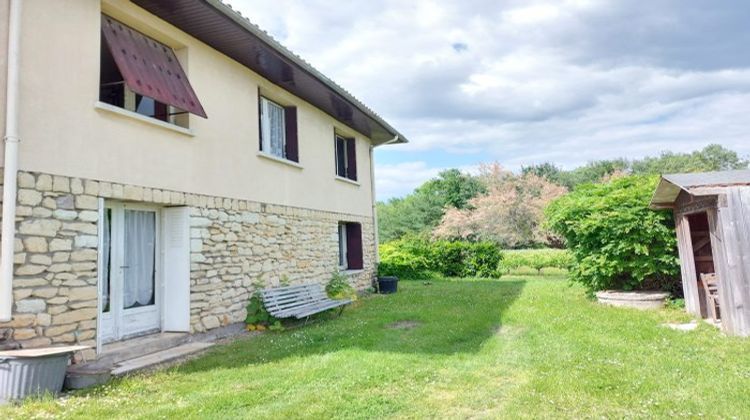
x,y
140,247
105,260
273,129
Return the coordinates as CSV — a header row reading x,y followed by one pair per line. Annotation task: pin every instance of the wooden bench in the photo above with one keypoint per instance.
x,y
299,301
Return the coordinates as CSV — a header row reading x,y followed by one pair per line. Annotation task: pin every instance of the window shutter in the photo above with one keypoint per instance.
x,y
351,159
149,67
176,248
354,246
292,146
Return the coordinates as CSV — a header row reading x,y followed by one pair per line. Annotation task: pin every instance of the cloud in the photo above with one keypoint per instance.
x,y
521,81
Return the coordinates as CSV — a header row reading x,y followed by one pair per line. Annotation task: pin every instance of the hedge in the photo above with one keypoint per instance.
x,y
417,257
538,259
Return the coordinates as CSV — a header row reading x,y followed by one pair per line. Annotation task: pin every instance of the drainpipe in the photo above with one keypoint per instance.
x,y
374,202
11,138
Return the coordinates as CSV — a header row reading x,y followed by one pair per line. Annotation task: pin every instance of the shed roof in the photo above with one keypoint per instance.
x,y
226,30
670,185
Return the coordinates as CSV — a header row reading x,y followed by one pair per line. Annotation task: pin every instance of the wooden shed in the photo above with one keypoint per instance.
x,y
712,219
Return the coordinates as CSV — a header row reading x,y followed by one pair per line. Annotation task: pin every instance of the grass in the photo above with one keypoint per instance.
x,y
520,347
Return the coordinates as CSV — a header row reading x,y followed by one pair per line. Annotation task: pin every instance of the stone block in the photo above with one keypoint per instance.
x,y
60,184
20,321
66,202
76,186
91,187
82,293
30,270
24,333
61,245
30,306
29,197
35,244
44,292
65,214
40,259
86,241
87,202
84,254
26,180
88,216
44,183
42,227
74,316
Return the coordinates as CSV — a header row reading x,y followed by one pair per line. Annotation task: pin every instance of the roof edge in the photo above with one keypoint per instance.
x,y
278,47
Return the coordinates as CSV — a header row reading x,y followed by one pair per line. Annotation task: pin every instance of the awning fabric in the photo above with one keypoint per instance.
x,y
149,67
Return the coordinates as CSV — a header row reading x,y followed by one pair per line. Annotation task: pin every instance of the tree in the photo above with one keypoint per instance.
x,y
509,213
422,210
712,158
452,188
546,170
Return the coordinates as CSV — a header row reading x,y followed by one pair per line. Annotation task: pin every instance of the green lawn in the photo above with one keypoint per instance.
x,y
519,347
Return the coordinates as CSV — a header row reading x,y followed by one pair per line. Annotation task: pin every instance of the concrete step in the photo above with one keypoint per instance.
x,y
159,358
136,347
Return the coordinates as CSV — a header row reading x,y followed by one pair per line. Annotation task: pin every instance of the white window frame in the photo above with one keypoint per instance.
x,y
343,247
265,131
346,155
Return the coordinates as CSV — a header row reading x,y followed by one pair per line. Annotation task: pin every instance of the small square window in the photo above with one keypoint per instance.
x,y
346,157
350,246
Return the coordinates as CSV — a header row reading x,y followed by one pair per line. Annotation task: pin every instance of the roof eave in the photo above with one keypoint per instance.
x,y
256,31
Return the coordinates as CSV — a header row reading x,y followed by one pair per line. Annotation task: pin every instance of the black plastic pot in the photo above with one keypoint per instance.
x,y
387,285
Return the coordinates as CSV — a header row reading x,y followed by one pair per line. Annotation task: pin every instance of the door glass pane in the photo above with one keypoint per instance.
x,y
106,258
139,260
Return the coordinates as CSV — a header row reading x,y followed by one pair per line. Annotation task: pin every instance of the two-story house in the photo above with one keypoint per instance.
x,y
164,160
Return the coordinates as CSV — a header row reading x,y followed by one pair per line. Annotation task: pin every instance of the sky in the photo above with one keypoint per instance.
x,y
523,82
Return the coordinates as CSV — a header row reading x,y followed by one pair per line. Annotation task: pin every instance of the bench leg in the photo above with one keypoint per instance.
x,y
341,311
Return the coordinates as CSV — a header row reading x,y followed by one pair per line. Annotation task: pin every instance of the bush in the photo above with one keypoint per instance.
x,y
538,259
615,240
408,257
338,287
257,313
417,257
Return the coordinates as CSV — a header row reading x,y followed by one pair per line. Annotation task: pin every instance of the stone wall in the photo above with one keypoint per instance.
x,y
236,251
237,247
55,285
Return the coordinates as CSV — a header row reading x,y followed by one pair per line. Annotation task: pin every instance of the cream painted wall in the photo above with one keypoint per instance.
x,y
62,133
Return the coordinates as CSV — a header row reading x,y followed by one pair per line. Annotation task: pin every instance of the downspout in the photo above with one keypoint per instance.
x,y
10,171
374,201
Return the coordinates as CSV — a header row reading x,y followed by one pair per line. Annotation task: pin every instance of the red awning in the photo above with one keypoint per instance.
x,y
149,67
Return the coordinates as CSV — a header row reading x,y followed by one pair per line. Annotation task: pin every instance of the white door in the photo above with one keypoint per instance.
x,y
130,263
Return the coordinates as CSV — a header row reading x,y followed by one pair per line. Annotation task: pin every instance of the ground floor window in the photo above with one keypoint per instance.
x,y
350,246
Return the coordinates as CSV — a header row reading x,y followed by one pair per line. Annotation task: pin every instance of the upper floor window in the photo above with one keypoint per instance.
x,y
346,158
278,130
142,75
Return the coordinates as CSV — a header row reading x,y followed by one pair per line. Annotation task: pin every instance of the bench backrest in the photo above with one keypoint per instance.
x,y
287,298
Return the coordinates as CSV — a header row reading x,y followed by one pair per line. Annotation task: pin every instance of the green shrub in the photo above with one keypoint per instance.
x,y
338,287
537,259
615,240
408,257
417,257
257,313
